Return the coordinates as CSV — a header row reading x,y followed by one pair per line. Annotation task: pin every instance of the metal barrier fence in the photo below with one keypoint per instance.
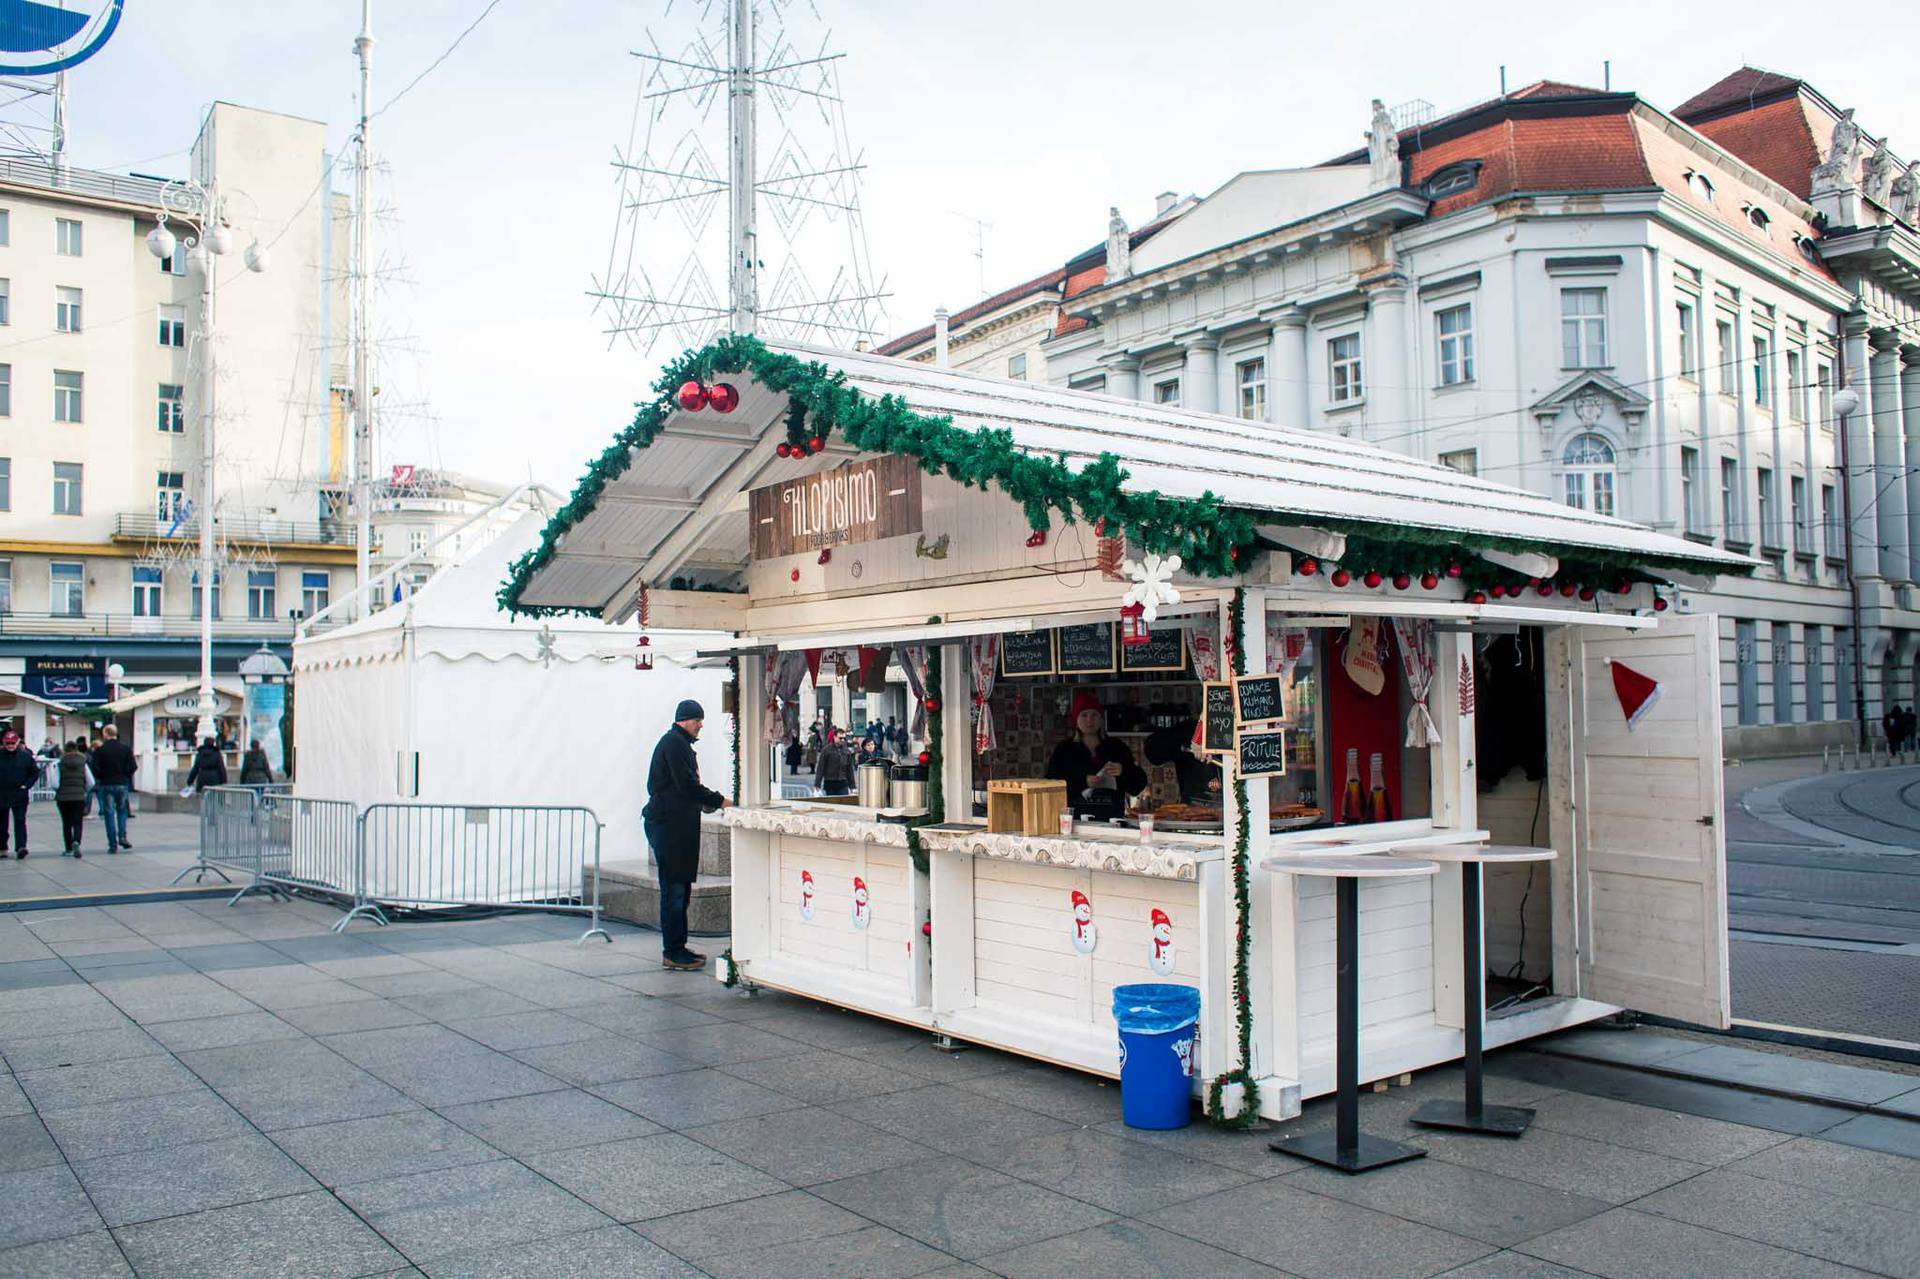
x,y
402,855
524,856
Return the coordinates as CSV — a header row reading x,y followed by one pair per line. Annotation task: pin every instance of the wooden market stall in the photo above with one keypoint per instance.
x,y
1318,617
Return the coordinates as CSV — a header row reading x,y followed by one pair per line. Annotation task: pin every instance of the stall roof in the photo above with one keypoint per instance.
x,y
635,519
161,692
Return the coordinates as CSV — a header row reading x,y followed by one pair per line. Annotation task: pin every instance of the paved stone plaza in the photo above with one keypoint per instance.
x,y
196,1090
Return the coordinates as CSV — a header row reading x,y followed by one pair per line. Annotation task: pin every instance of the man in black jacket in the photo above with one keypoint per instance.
x,y
113,768
675,800
19,770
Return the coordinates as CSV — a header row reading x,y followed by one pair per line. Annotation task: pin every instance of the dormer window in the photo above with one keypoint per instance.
x,y
1700,185
1808,249
1454,179
1757,216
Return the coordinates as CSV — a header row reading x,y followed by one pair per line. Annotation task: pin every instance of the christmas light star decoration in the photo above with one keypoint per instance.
x,y
1152,583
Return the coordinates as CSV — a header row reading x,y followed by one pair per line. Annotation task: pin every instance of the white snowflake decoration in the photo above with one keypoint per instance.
x,y
1152,584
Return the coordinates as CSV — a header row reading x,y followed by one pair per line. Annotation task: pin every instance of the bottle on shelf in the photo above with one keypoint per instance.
x,y
1353,803
1379,807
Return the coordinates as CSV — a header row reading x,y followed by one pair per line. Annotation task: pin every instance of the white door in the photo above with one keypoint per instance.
x,y
1648,845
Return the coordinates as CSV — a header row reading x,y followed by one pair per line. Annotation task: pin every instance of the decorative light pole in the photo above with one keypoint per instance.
x,y
201,208
1846,402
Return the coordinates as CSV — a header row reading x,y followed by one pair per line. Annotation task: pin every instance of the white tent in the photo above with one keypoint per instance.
x,y
444,699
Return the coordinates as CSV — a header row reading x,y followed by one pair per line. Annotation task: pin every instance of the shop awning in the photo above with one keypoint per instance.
x,y
177,688
654,508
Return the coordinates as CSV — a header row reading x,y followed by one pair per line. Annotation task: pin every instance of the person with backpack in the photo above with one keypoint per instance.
x,y
209,767
70,795
255,769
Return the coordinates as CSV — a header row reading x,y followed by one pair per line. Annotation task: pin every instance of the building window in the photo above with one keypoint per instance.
x,y
66,237
1701,185
1802,518
1797,386
6,227
1843,697
175,263
68,594
6,390
6,301
1690,489
173,326
1730,499
6,586
1343,369
1830,523
1769,514
1455,326
1465,461
67,391
1762,372
316,592
216,595
1252,378
1583,328
6,484
146,591
1782,647
1017,367
172,408
1723,353
1824,376
170,496
260,591
1689,342
1813,660
1746,650
1167,392
416,541
1589,470
1758,216
66,310
67,477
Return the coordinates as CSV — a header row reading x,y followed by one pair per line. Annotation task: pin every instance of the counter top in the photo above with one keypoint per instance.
x,y
1118,850
848,826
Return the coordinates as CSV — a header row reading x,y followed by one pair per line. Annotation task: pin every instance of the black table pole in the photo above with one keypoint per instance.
x,y
1475,1115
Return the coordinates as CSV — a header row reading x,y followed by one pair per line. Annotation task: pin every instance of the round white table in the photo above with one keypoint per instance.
x,y
1473,1114
1346,1147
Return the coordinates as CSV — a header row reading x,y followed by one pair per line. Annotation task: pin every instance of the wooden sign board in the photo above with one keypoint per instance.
x,y
1085,650
862,501
1165,650
1261,752
1024,653
1217,727
1259,699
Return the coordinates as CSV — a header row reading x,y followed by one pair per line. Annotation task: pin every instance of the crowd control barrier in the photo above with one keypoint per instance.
x,y
279,841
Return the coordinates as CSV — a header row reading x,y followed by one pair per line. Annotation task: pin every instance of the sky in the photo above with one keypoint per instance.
x,y
1030,117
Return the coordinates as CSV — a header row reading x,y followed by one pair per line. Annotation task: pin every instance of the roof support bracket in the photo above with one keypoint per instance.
x,y
1526,563
1317,542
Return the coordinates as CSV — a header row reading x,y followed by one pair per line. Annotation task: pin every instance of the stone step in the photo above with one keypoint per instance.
x,y
630,891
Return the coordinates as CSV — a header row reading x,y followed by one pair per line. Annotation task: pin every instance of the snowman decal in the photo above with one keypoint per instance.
x,y
1085,935
862,911
1160,944
806,895
1183,1049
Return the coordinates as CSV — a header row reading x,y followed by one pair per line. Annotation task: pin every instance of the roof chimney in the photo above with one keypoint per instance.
x,y
1165,201
940,337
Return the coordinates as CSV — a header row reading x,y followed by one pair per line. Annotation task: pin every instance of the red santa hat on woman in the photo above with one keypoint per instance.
x,y
1085,701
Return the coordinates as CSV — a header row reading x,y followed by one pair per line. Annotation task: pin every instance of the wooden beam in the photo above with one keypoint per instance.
x,y
1317,542
1525,563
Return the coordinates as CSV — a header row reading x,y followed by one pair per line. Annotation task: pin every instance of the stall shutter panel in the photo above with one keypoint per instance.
x,y
1649,831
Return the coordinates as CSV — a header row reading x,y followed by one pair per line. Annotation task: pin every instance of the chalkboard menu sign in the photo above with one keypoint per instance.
x,y
1217,738
1164,651
1261,753
1259,699
1026,653
1086,650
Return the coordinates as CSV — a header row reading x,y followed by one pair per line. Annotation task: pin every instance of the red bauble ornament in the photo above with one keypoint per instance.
x,y
1586,593
1659,604
1233,553
1544,589
826,553
692,396
1340,577
1453,570
795,575
1307,567
1497,591
933,706
1428,581
723,397
1533,581
1478,597
1622,587
784,449
925,758
1567,589
815,444
1372,578
1401,581
926,929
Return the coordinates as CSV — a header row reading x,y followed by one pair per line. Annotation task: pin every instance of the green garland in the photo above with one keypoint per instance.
x,y
1242,1074
739,708
936,758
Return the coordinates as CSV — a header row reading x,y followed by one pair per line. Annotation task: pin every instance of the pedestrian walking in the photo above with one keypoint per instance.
x,y
835,771
113,769
671,819
19,770
209,767
89,746
70,796
255,769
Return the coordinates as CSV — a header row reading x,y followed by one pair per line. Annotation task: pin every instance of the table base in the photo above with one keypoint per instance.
x,y
1496,1121
1370,1152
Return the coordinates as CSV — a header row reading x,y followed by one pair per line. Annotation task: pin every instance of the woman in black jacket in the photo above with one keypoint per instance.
x,y
255,770
70,796
209,767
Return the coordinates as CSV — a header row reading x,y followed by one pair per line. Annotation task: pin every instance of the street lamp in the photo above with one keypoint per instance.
x,y
1846,402
202,210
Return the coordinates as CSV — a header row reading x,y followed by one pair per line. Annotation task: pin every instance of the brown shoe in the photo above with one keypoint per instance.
x,y
688,963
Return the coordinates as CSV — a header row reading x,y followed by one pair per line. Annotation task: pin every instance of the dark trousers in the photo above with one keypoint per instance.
x,y
73,821
674,896
18,807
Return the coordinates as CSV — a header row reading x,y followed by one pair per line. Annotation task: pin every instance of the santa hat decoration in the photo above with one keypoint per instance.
x,y
1637,692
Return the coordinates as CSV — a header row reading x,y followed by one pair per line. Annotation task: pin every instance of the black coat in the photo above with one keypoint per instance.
x,y
113,764
19,770
255,770
1075,765
675,800
209,768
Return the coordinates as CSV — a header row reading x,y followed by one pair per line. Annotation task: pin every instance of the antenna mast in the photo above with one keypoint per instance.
x,y
363,323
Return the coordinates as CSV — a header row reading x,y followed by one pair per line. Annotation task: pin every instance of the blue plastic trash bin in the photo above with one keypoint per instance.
x,y
1157,1025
